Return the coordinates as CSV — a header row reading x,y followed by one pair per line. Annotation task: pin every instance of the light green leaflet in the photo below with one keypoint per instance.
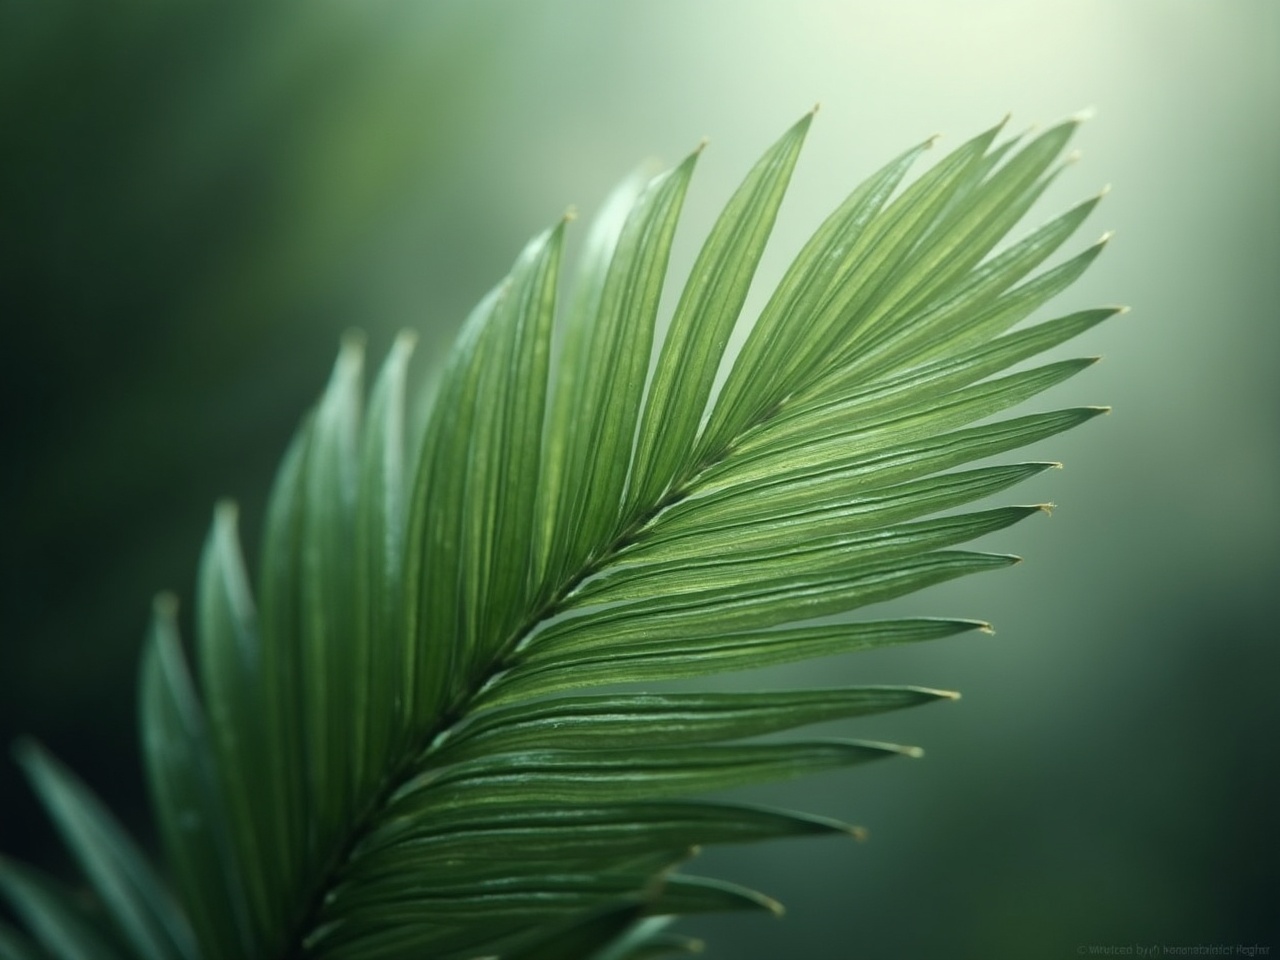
x,y
403,741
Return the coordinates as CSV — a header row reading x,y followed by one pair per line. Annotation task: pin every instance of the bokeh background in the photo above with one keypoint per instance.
x,y
197,199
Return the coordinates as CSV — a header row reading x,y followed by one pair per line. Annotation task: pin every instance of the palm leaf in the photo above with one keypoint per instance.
x,y
394,757
60,923
144,913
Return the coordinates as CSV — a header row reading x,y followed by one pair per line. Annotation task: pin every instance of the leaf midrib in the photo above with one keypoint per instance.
x,y
423,746
417,754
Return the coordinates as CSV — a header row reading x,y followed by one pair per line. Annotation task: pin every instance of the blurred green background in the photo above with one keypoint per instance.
x,y
196,199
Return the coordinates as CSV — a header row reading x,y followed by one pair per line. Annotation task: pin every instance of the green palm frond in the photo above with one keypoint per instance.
x,y
406,746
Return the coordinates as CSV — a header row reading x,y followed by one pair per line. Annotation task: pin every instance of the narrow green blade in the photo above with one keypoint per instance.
x,y
385,656
231,681
327,609
186,795
280,620
833,484
704,319
139,905
436,527
575,336
869,510
930,382
501,833
569,777
698,655
722,575
610,351
890,421
621,722
15,946
819,593
57,922
505,453
472,513
684,894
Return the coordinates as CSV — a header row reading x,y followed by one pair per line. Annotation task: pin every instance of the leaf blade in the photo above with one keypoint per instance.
x,y
696,655
564,777
704,319
139,905
56,922
193,822
602,425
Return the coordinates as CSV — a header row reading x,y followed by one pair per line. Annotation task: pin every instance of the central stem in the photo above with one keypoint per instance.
x,y
411,759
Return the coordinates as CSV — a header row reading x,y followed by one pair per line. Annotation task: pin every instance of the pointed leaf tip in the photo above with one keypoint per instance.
x,y
25,750
165,605
352,345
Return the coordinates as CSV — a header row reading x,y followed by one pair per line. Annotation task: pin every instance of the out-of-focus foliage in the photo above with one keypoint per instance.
x,y
194,200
